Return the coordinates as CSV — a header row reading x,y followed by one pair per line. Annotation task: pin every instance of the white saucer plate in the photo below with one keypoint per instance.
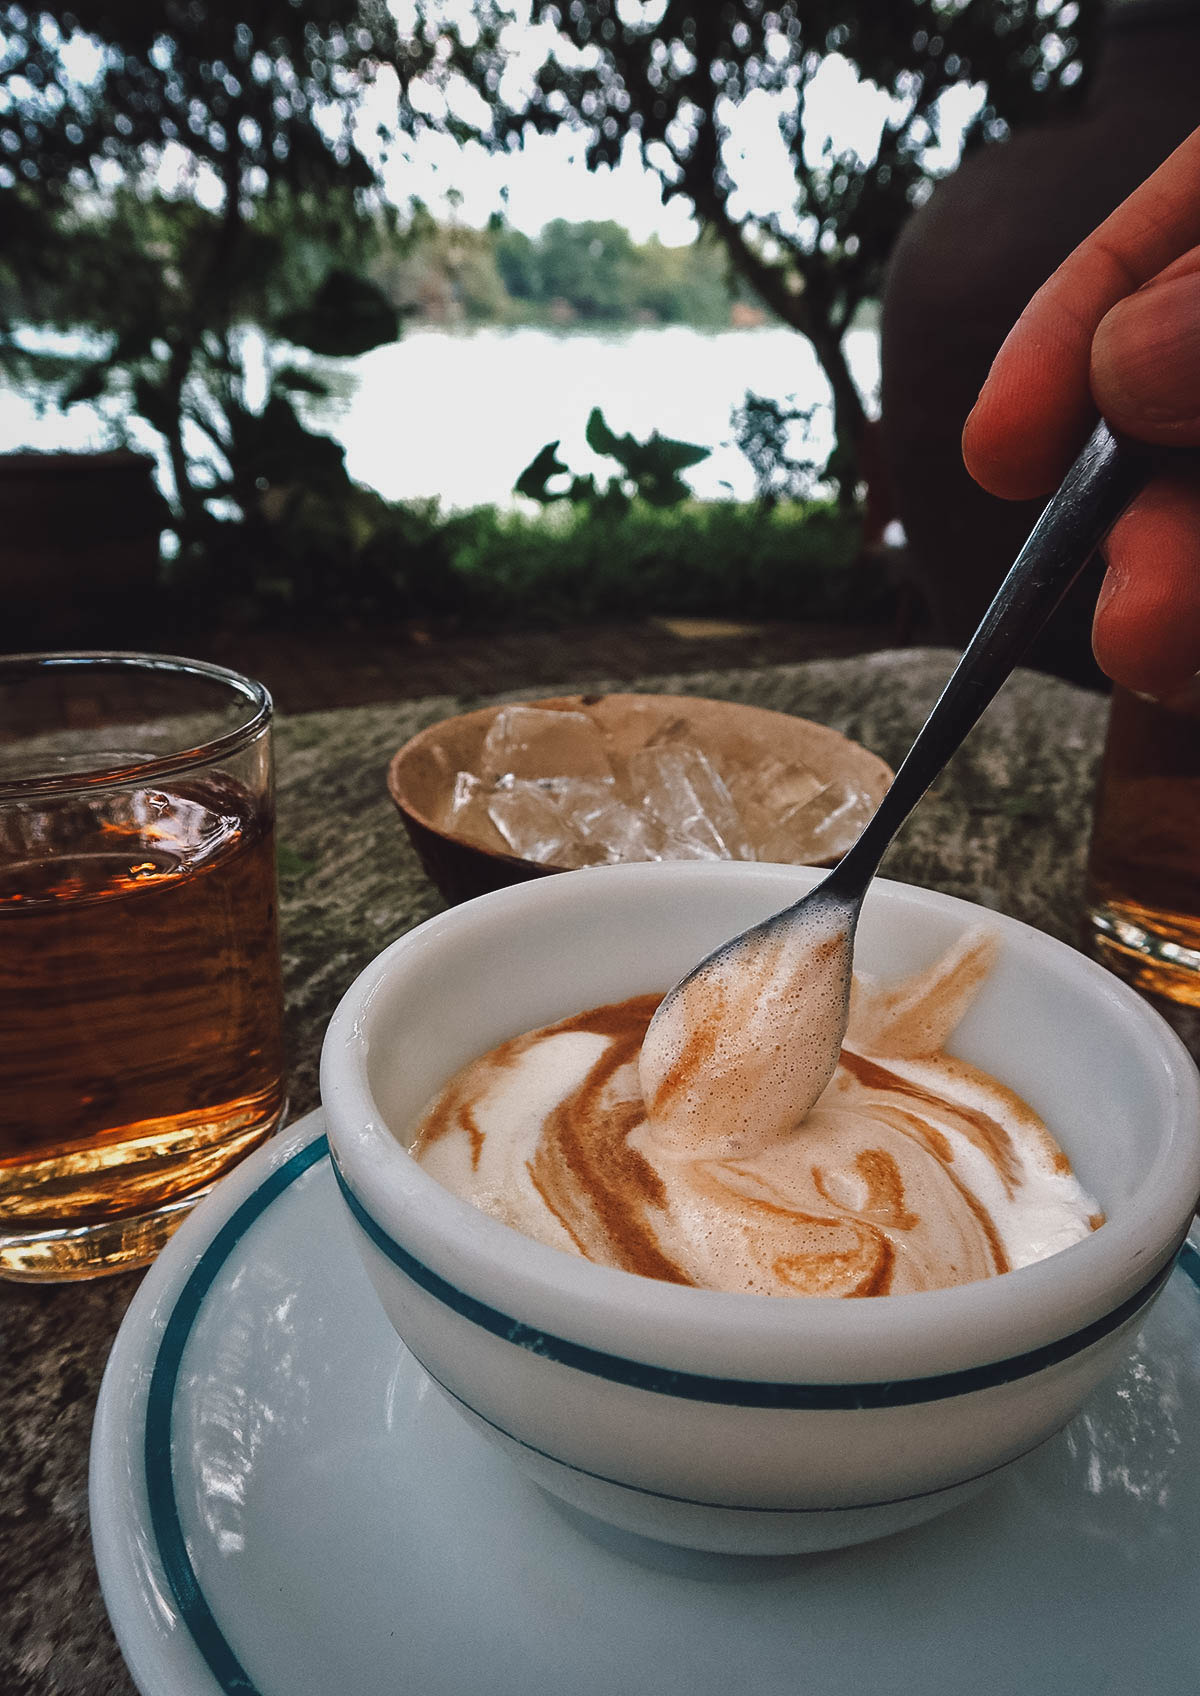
x,y
284,1505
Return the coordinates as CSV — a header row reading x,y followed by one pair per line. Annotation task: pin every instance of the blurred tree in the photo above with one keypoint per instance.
x,y
675,76
172,173
688,284
441,272
518,262
590,264
600,273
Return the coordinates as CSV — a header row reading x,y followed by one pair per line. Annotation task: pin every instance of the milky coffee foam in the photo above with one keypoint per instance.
x,y
912,1170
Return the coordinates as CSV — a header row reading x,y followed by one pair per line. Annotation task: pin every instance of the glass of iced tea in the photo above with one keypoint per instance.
x,y
141,1049
1143,888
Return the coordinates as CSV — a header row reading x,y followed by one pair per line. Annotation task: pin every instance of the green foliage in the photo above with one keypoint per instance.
x,y
326,554
271,449
688,285
347,316
274,222
590,264
328,559
602,275
178,358
590,273
254,95
269,224
648,471
519,264
440,271
583,564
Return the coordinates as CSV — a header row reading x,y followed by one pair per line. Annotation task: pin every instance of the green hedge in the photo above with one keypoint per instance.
x,y
718,559
487,568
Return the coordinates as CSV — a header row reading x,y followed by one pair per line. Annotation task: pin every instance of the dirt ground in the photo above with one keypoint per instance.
x,y
309,672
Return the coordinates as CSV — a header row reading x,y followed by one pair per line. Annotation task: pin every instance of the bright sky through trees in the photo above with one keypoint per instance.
x,y
548,179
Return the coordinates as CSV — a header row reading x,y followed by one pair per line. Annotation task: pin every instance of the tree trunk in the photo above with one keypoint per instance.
x,y
187,502
849,418
209,284
807,314
807,309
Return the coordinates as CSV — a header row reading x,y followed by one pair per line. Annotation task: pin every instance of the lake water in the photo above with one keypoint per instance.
x,y
458,414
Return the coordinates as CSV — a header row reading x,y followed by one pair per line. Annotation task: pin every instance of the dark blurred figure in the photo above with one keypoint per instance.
x,y
963,271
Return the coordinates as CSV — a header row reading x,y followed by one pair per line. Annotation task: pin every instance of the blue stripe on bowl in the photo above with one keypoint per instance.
x,y
725,1507
741,1392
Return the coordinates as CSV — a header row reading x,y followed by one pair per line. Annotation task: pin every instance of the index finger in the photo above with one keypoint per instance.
x,y
1035,408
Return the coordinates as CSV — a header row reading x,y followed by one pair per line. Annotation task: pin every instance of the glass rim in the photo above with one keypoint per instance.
x,y
255,695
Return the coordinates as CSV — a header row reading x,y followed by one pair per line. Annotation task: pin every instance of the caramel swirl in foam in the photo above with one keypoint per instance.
x,y
913,1169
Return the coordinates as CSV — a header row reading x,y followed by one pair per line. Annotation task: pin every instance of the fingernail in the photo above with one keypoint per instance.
x,y
1146,355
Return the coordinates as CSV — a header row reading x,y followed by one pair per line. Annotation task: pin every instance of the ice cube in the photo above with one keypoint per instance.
x,y
527,815
581,799
533,742
821,829
463,796
612,829
679,787
465,812
766,792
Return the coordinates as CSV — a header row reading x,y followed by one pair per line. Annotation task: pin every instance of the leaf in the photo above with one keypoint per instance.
x,y
532,483
600,438
677,456
653,464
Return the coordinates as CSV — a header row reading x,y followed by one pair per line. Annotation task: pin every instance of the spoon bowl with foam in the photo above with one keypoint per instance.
x,y
742,1047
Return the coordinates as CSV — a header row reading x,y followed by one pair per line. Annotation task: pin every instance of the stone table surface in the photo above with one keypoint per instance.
x,y
1006,825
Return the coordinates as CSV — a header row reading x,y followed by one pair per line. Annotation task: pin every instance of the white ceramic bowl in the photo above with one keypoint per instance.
x,y
740,1422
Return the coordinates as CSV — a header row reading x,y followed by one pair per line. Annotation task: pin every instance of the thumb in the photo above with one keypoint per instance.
x,y
1145,363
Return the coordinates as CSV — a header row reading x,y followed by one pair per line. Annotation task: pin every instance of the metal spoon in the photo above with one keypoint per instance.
x,y
741,1048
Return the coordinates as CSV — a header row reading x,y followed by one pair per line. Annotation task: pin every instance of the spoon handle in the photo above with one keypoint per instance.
x,y
1092,496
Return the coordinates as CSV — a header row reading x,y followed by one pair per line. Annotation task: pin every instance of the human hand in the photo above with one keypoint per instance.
x,y
1116,329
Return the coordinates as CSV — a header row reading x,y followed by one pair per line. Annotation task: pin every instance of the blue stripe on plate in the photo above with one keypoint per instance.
x,y
160,1482
165,1521
741,1392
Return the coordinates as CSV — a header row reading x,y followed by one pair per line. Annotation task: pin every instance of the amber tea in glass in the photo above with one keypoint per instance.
x,y
140,1004
1143,888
